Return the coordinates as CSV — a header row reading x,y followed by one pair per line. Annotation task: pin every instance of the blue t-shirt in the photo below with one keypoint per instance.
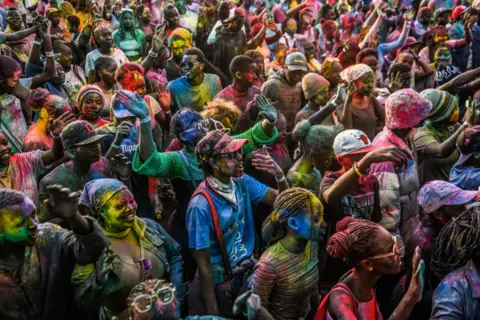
x,y
236,222
465,177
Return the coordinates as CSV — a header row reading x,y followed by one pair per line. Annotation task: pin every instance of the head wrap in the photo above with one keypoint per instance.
x,y
355,72
405,109
82,93
443,104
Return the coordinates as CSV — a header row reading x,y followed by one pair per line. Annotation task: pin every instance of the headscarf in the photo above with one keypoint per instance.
x,y
82,93
97,193
405,109
443,103
355,72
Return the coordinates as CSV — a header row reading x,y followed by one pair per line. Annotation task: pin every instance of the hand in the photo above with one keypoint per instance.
x,y
164,98
123,131
415,289
340,96
408,15
248,305
55,126
62,202
20,55
397,155
396,82
122,166
158,39
351,89
380,10
267,111
310,2
264,162
135,104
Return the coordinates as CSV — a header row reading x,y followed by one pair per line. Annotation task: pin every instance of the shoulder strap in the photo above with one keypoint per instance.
x,y
218,230
322,310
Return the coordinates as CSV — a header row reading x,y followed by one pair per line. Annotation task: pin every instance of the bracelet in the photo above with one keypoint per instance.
x,y
38,43
168,112
115,146
54,136
146,120
152,54
357,171
50,54
281,179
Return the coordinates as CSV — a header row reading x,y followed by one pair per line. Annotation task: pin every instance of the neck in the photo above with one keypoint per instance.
x,y
312,105
105,50
293,244
196,81
79,167
238,86
115,233
104,86
221,177
358,96
67,69
363,282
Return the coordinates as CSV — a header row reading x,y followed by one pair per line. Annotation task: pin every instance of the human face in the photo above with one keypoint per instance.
x,y
105,39
117,8
55,18
442,19
5,150
311,226
248,77
89,153
321,98
365,84
309,52
334,74
173,18
13,81
146,15
281,55
387,259
196,131
14,20
66,57
349,23
230,164
348,160
259,65
128,20
161,61
427,18
237,23
330,15
19,224
406,57
342,9
91,106
191,68
294,76
178,49
307,18
136,84
60,77
119,212
370,61
107,74
291,27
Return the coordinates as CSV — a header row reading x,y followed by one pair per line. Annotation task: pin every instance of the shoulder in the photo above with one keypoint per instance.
x,y
212,77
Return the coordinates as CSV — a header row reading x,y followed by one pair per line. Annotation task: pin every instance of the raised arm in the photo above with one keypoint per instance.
x,y
460,80
55,127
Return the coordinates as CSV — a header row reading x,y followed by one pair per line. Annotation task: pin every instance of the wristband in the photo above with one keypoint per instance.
x,y
38,43
357,171
146,120
152,54
334,103
54,136
115,146
50,54
281,179
168,112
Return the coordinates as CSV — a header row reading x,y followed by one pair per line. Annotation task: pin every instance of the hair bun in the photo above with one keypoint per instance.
x,y
38,98
301,130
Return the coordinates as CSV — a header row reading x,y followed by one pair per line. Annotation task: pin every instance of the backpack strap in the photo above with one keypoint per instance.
x,y
218,230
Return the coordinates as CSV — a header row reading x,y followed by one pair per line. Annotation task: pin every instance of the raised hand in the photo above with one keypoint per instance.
x,y
264,162
55,126
397,155
266,110
340,96
408,15
20,55
164,97
122,166
134,103
123,131
158,39
396,82
62,202
417,283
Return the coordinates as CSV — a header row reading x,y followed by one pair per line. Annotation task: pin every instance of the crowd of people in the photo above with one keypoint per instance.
x,y
266,159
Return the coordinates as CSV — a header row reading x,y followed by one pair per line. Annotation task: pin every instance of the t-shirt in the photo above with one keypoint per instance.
x,y
24,170
118,55
463,176
241,99
431,167
363,119
13,121
236,221
185,96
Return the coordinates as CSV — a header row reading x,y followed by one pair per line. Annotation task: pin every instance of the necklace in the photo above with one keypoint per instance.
x,y
145,263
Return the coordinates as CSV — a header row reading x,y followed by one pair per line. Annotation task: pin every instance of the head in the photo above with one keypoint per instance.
x,y
438,34
53,16
296,68
66,54
289,26
406,57
117,7
405,110
81,142
127,19
348,22
242,69
177,45
14,18
10,72
172,16
131,77
307,48
189,126
223,11
5,149
329,29
425,16
180,5
362,76
306,17
193,63
441,16
59,79
342,9
53,105
366,246
331,69
105,68
102,35
220,155
259,62
73,24
298,213
404,71
153,299
90,102
445,110
315,88
160,61
368,56
144,14
18,221
326,12
457,243
226,112
351,146
280,53
237,20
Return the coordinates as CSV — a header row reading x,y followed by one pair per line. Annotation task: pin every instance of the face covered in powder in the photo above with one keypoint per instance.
x,y
191,67
91,106
321,98
442,57
11,83
135,83
119,213
107,73
230,164
18,223
365,84
5,150
310,225
291,27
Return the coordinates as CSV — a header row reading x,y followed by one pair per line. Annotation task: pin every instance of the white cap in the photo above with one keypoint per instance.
x,y
351,142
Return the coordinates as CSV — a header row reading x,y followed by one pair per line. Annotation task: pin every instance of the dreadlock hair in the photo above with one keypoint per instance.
x,y
100,63
223,111
315,139
289,203
10,197
120,33
126,72
354,240
457,243
366,53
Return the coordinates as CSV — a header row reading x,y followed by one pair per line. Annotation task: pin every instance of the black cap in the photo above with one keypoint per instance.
x,y
79,133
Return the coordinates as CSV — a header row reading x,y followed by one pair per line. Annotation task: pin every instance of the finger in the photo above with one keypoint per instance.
x,y
65,191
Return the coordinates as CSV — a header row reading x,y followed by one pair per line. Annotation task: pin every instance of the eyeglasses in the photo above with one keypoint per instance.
x,y
144,302
190,65
200,128
238,155
395,251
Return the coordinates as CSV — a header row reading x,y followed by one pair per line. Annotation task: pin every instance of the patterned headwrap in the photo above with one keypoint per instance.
x,y
405,109
82,93
355,72
443,103
98,24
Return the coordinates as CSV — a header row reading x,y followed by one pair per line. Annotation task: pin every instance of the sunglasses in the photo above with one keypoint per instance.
x,y
232,155
190,65
144,302
395,251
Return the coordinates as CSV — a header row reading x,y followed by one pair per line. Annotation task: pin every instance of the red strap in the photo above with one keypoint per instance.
x,y
322,310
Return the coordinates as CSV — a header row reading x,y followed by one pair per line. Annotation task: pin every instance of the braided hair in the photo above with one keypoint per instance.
x,y
354,240
457,243
289,203
10,197
121,28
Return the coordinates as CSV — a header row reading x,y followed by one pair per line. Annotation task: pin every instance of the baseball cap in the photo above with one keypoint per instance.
x,y
351,142
216,143
440,11
119,109
296,61
79,133
439,193
458,11
237,12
